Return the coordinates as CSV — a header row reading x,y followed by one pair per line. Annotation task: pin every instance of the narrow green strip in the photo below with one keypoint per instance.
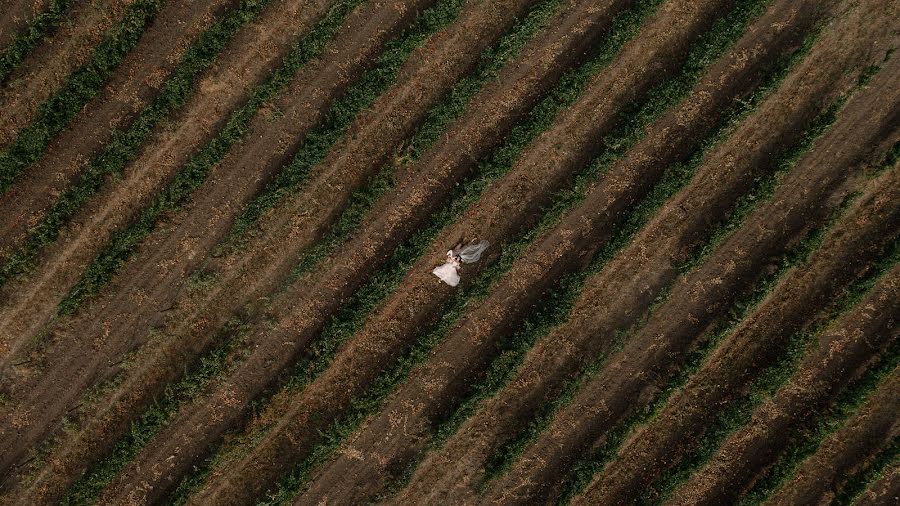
x,y
124,243
88,488
125,144
84,84
583,472
738,414
40,26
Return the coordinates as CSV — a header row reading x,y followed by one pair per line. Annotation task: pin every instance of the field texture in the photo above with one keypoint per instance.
x,y
218,221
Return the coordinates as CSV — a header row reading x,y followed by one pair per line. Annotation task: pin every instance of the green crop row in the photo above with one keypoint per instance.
x,y
82,85
125,143
358,97
438,118
87,489
583,472
385,281
806,443
123,243
769,381
25,41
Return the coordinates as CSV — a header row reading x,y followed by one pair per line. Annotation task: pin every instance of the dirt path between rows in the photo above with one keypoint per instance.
x,y
17,15
819,476
220,91
133,86
253,54
501,212
838,356
755,344
45,69
673,232
407,99
385,447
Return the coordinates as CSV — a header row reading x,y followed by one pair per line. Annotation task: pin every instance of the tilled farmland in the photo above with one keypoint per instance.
x,y
219,221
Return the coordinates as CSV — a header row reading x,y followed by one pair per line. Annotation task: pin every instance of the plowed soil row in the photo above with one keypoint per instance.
x,y
241,63
420,68
46,68
839,355
544,165
571,346
131,88
752,347
821,476
483,124
17,15
389,447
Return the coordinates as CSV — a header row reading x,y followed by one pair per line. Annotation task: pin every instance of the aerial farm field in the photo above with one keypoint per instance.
x,y
219,221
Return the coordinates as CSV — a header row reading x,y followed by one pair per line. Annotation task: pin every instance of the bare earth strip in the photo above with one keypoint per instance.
x,y
31,302
754,344
876,424
45,69
132,87
401,431
672,234
839,355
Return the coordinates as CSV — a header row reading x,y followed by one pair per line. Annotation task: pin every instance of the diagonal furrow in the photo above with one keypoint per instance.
x,y
447,150
885,490
465,353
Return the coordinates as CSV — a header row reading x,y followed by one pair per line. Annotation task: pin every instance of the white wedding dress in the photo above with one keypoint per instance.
x,y
449,272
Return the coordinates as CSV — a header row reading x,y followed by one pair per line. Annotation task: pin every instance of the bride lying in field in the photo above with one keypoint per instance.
x,y
449,272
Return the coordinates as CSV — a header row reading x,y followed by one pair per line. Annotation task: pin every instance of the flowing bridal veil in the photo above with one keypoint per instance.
x,y
449,272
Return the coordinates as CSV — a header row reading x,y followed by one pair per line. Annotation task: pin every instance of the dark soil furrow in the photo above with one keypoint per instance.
x,y
18,16
62,74
463,356
884,491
